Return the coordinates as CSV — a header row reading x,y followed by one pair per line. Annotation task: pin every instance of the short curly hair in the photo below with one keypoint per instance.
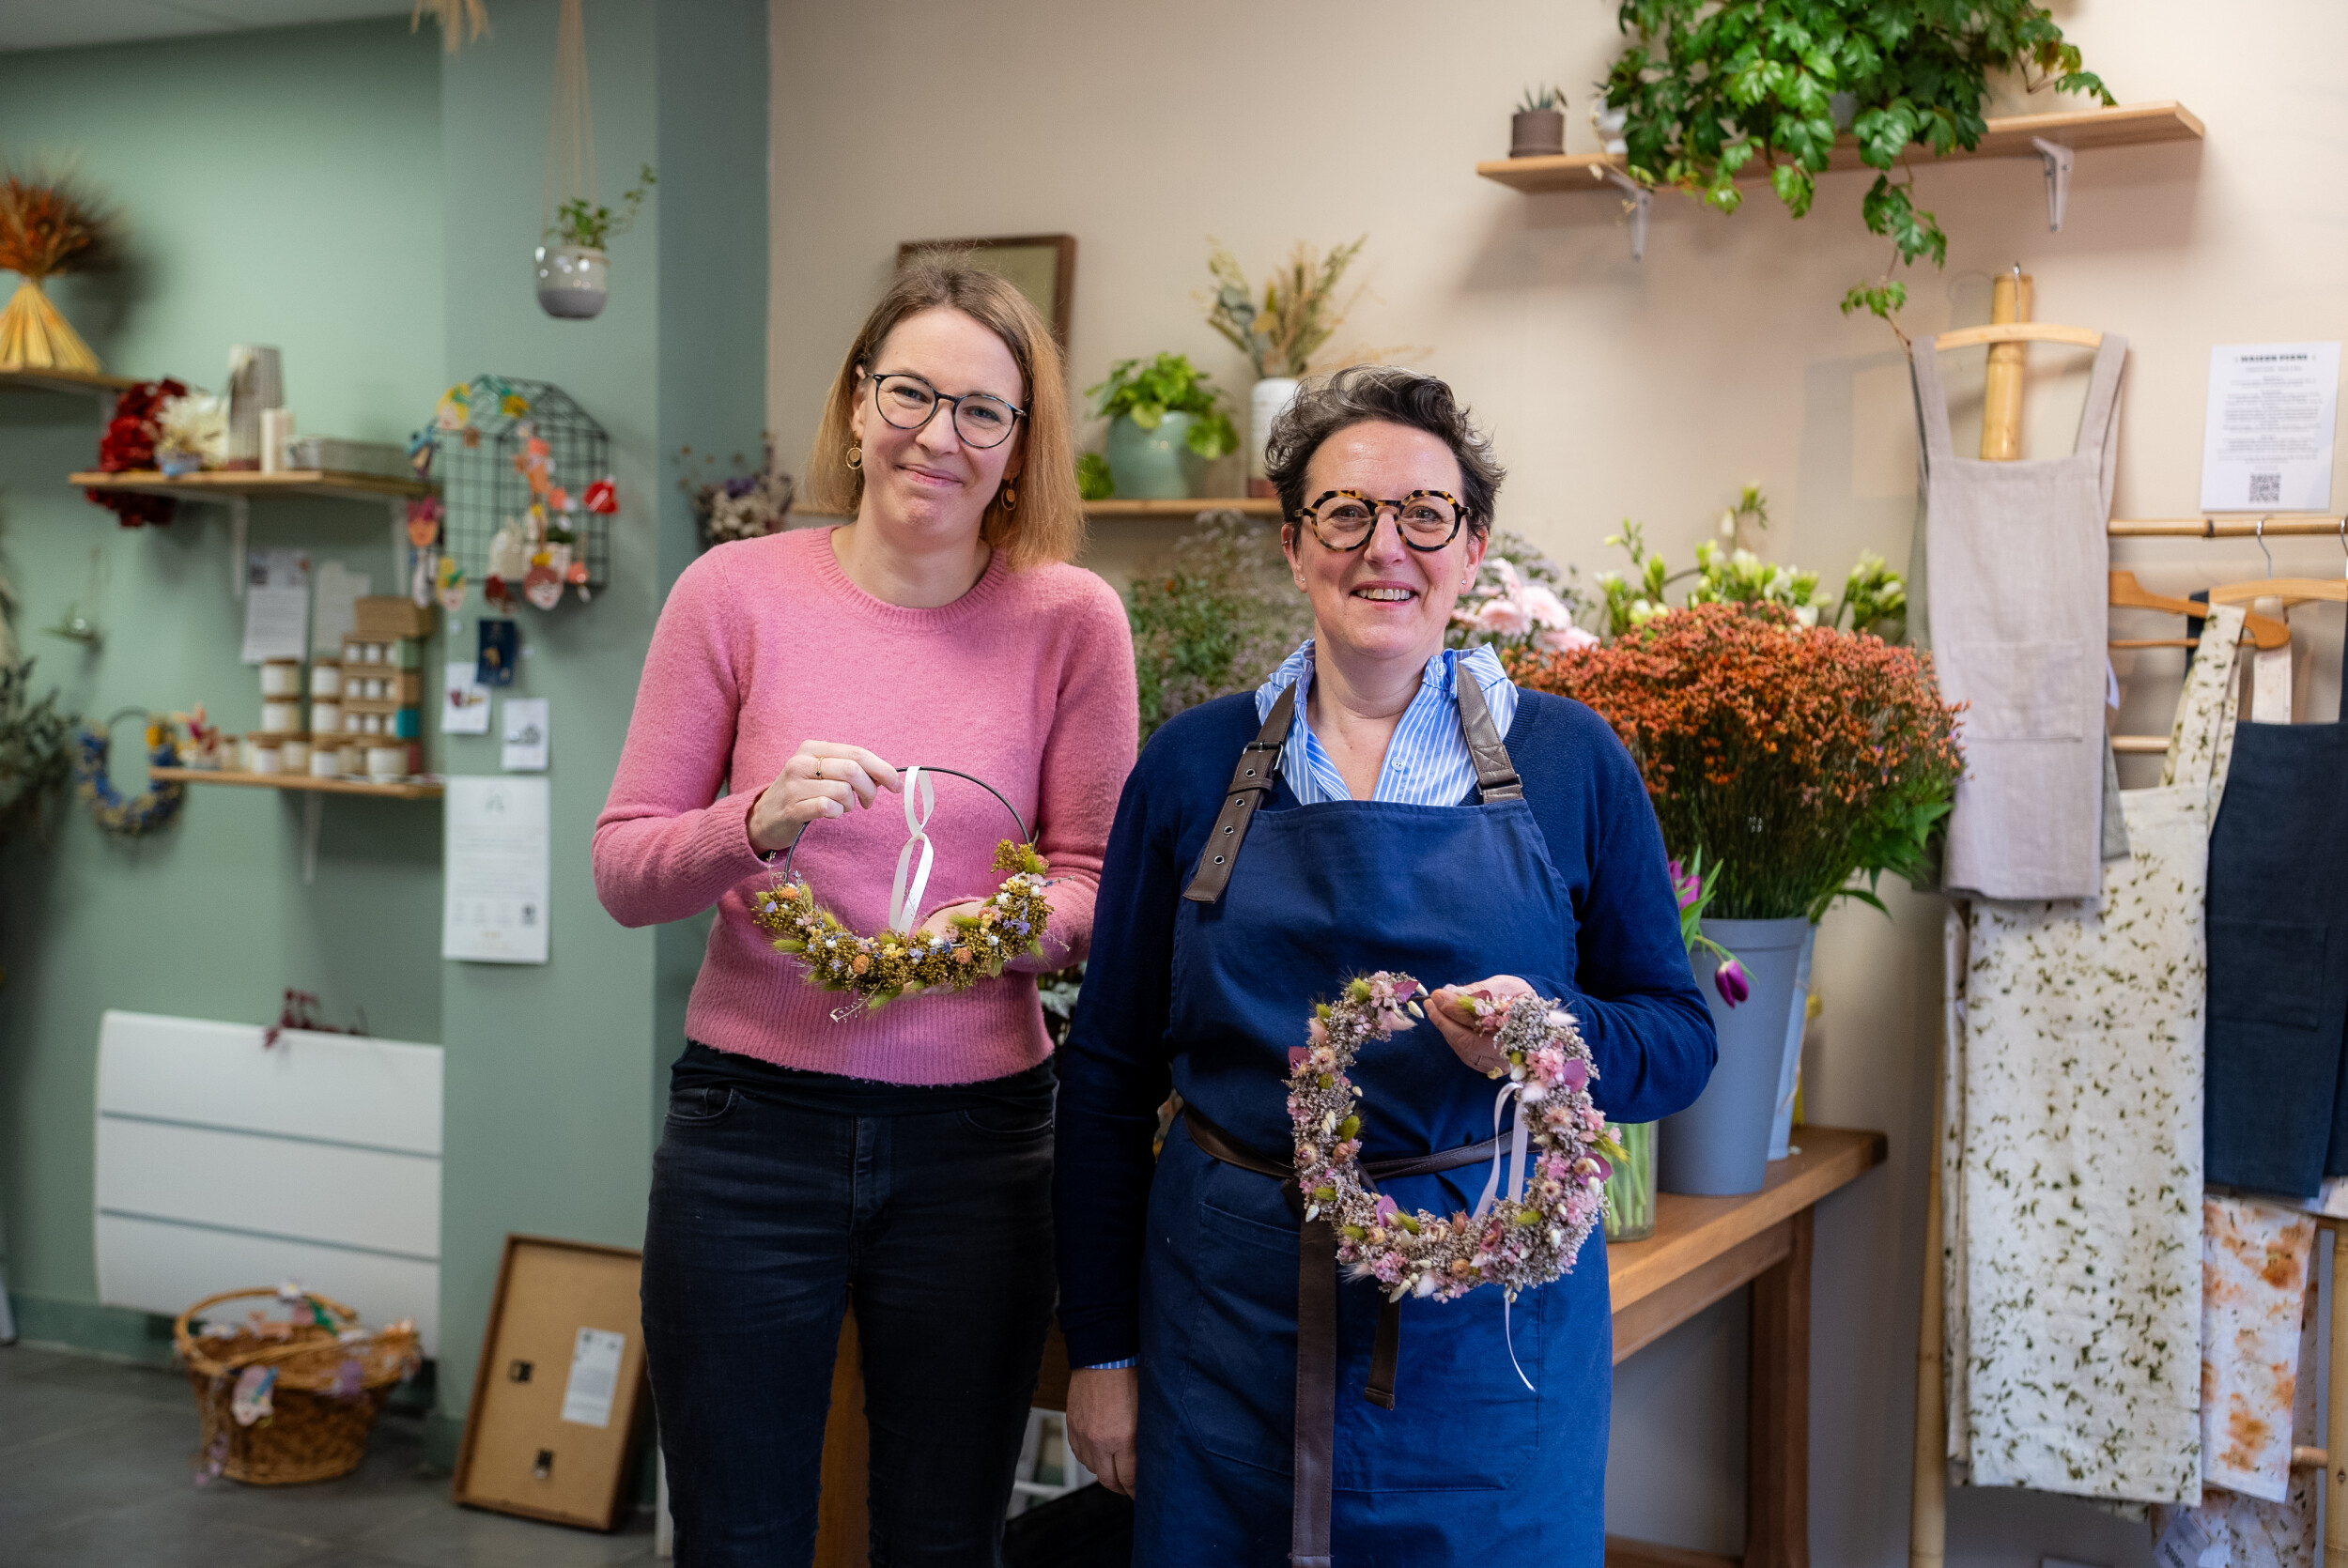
x,y
1387,394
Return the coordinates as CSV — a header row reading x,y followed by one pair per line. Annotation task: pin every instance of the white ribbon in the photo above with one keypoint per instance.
x,y
1518,1141
904,901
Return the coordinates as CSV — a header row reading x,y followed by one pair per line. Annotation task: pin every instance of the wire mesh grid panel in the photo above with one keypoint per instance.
x,y
483,459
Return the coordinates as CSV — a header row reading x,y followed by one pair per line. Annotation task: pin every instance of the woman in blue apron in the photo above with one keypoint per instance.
x,y
1380,804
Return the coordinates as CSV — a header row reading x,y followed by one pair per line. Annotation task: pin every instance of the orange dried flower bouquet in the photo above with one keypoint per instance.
x,y
46,227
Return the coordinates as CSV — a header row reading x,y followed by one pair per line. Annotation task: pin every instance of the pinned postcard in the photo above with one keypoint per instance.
x,y
464,701
526,734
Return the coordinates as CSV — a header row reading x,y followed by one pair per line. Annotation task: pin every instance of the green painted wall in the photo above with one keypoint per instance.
x,y
279,187
554,1074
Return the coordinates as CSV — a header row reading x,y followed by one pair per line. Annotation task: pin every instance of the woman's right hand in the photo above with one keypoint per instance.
x,y
822,779
1103,1409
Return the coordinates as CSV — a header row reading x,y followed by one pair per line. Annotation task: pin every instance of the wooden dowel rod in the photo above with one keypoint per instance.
x,y
2220,527
2139,745
2002,382
2305,1458
2154,642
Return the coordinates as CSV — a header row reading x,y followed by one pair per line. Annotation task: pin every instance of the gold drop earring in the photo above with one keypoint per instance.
x,y
855,455
1010,497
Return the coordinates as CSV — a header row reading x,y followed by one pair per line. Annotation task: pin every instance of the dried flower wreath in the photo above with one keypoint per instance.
x,y
1557,1153
899,961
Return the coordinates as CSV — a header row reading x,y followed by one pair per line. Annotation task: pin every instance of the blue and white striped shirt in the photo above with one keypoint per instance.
x,y
1426,763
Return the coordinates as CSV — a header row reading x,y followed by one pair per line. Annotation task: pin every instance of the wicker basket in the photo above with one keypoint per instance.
x,y
320,1413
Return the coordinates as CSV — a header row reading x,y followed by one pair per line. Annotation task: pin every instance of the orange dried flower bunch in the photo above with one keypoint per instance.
x,y
1792,758
47,227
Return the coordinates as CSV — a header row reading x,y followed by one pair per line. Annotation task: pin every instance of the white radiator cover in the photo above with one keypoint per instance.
x,y
224,1165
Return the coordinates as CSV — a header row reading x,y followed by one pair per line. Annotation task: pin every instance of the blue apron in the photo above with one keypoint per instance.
x,y
1468,1462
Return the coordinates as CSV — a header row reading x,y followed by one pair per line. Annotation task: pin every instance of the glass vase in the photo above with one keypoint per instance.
x,y
1630,1190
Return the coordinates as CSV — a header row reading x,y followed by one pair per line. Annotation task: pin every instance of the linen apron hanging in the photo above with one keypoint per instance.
x,y
2278,962
2016,558
1454,1459
2073,1161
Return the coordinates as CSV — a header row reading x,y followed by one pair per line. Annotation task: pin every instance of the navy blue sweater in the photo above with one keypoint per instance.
x,y
1625,973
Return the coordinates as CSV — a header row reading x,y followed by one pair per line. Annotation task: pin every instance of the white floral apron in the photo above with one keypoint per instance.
x,y
2071,1159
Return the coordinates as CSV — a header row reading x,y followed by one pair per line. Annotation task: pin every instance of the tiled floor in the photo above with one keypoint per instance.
x,y
94,1473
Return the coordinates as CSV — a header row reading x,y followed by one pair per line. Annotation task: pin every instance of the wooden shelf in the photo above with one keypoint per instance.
x,y
66,380
222,483
2130,125
1253,506
302,782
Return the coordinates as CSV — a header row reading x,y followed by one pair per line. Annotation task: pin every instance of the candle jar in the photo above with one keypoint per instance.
x,y
269,755
1630,1190
387,765
326,678
281,715
295,753
326,717
326,756
281,677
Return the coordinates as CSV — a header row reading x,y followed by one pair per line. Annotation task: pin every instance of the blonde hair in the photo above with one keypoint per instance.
x,y
1049,523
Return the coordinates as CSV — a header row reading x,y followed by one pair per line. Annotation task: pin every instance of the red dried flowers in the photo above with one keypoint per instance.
x,y
1792,758
128,444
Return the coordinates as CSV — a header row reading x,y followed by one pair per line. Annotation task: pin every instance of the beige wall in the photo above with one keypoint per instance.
x,y
1613,389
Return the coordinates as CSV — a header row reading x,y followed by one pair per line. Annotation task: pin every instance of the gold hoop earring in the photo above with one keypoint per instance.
x,y
856,456
1010,497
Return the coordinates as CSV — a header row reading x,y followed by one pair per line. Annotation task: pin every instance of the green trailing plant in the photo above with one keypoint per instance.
x,y
1711,89
36,753
1538,100
1145,391
1873,598
1218,618
1299,311
580,222
1094,479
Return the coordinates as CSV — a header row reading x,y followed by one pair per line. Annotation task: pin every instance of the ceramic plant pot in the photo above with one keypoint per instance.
x,y
1154,465
1720,1146
1267,400
574,282
1536,133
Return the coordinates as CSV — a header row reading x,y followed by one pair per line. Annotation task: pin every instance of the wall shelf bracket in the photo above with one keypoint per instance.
x,y
2058,159
1637,199
239,528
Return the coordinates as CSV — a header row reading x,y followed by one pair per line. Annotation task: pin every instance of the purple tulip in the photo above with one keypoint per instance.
x,y
1576,1077
1729,980
1686,889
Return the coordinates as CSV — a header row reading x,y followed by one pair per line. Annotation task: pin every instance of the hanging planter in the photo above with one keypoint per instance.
x,y
574,273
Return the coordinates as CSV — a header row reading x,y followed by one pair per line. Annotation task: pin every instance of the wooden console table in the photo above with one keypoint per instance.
x,y
1702,1248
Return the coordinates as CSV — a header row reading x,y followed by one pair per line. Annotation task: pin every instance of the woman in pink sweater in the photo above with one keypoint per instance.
x,y
901,1159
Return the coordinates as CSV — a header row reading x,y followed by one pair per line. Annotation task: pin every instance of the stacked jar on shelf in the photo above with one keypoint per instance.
x,y
381,689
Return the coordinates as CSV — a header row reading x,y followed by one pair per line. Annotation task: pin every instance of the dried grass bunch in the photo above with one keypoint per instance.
x,y
1300,310
48,225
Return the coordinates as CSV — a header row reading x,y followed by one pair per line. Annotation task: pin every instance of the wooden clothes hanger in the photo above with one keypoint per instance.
x,y
2019,332
2290,590
2127,593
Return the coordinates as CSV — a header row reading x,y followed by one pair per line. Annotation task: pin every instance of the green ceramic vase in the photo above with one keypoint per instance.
x,y
1154,465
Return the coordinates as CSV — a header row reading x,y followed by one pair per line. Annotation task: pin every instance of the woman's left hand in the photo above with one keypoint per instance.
x,y
1468,1029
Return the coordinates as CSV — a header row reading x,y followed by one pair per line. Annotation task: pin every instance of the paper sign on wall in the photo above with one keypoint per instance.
x,y
334,612
464,701
495,870
526,719
2267,446
276,605
595,1377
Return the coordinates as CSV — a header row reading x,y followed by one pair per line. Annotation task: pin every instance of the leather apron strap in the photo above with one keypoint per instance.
x,y
1315,1457
1259,769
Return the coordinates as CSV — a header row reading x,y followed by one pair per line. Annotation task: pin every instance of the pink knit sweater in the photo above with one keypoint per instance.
x,y
1027,681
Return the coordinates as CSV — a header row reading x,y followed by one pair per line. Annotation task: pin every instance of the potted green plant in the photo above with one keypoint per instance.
x,y
1165,424
1299,313
1709,91
1537,129
574,273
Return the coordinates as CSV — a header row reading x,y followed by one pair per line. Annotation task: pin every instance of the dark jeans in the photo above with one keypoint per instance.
x,y
778,1197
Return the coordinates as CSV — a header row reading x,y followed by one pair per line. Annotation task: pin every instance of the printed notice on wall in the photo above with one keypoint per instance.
x,y
595,1377
495,870
2268,444
276,605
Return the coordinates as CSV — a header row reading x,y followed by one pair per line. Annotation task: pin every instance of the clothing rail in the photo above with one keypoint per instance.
x,y
2275,527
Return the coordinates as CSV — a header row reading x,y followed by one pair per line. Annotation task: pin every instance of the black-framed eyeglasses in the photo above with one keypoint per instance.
x,y
1426,519
980,419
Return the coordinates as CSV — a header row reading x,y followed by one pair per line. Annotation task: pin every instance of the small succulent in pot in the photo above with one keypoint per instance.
x,y
1537,129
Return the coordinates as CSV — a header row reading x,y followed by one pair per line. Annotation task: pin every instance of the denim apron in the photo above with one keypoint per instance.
x,y
2277,1106
1468,1461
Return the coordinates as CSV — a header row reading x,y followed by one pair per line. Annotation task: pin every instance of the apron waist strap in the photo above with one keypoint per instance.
x,y
1317,1325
